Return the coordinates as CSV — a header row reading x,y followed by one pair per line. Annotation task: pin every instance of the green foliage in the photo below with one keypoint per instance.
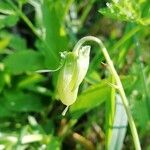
x,y
91,98
23,61
127,10
50,24
8,16
32,35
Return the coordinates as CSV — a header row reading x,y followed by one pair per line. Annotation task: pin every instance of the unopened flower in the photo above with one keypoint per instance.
x,y
72,73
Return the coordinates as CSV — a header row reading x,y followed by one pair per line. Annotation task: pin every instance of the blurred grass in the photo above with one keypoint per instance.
x,y
32,35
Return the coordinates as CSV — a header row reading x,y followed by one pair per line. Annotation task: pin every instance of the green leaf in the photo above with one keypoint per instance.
x,y
140,113
4,110
4,43
94,96
8,20
109,115
126,11
22,102
24,61
2,80
30,80
54,143
6,8
93,77
50,24
15,41
18,43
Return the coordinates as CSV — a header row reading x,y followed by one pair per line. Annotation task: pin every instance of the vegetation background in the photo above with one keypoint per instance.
x,y
32,35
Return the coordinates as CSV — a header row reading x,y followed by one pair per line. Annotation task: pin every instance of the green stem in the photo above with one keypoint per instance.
x,y
24,17
118,82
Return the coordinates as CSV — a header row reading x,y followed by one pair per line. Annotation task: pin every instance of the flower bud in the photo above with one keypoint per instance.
x,y
72,74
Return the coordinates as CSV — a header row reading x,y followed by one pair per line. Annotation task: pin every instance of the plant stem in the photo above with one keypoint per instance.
x,y
118,82
85,142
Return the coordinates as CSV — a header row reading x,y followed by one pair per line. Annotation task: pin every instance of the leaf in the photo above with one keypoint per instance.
x,y
24,61
22,102
126,11
2,80
18,43
5,8
30,80
109,115
54,143
93,77
113,14
49,23
15,41
119,126
4,111
8,20
4,43
94,96
140,113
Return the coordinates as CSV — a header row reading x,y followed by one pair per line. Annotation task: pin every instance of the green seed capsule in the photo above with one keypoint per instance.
x,y
72,74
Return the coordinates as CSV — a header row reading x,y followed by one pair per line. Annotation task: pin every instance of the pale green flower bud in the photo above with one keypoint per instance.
x,y
72,74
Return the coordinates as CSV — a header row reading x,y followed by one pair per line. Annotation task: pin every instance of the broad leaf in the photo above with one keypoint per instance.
x,y
89,99
22,102
24,61
49,22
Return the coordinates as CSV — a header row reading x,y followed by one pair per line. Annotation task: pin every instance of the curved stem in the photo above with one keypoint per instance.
x,y
118,82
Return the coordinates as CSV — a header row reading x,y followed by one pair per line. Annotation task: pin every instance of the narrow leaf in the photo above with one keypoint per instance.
x,y
119,126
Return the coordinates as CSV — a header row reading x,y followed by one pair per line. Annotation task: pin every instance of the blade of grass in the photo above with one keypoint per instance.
x,y
110,110
125,38
86,12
